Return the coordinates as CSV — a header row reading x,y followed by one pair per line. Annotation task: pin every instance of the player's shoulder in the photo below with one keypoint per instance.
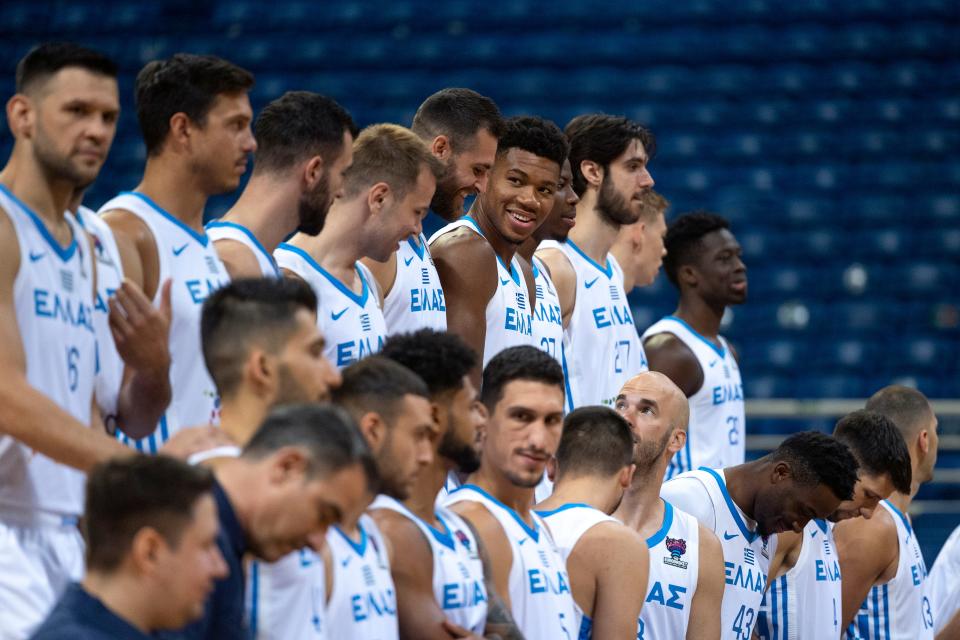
x,y
238,258
129,224
463,243
876,534
612,534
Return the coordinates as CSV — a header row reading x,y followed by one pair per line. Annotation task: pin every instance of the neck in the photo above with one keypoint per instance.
x,y
501,246
520,499
641,508
241,414
176,189
742,483
699,314
268,207
125,596
429,482
46,196
338,247
593,233
600,493
528,248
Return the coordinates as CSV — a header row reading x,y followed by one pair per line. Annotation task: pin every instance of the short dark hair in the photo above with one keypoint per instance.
x,y
185,83
45,59
248,312
377,384
299,125
603,138
596,441
534,134
877,445
518,363
125,495
441,359
905,406
683,239
458,114
327,432
816,458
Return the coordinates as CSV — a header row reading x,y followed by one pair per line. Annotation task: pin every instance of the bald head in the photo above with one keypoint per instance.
x,y
658,412
661,391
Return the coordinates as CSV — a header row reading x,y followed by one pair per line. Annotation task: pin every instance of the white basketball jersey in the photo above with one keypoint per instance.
x,y
222,230
457,569
352,323
109,279
715,435
601,348
567,525
899,609
674,571
547,316
805,601
508,319
363,600
416,299
944,581
539,586
287,598
53,300
746,555
189,259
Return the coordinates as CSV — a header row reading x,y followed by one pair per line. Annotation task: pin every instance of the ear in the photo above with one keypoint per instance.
x,y
145,549
374,430
678,441
440,147
180,129
638,237
20,115
260,373
923,441
592,173
312,173
781,471
439,415
626,475
288,462
377,197
688,275
552,469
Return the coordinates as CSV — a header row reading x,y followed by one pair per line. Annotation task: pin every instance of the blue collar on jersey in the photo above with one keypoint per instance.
x,y
249,234
360,300
418,244
658,537
534,532
569,505
821,524
443,537
513,272
64,253
199,237
903,518
721,351
359,547
749,535
607,270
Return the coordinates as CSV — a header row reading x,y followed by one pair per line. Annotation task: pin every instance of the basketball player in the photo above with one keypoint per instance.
x,y
304,145
639,246
608,156
385,197
880,558
442,574
151,546
461,128
476,256
305,469
686,561
194,115
523,392
607,562
63,118
391,407
806,477
803,598
704,262
945,588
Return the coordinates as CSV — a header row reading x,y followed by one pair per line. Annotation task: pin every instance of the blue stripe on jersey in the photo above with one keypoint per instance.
x,y
749,535
656,538
418,245
773,594
64,253
569,505
876,612
360,300
786,610
254,595
566,380
886,613
607,271
513,272
534,532
443,537
199,237
720,351
242,229
586,628
359,547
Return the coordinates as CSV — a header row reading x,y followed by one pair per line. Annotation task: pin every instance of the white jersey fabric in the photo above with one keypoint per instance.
x,y
458,582
899,609
109,278
188,258
352,323
746,555
568,524
805,602
944,582
224,230
508,319
674,572
287,598
539,586
415,301
363,601
547,316
715,435
601,345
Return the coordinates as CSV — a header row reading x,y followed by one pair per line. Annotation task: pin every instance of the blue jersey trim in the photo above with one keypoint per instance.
x,y
64,253
568,401
821,524
749,535
513,272
359,547
784,598
658,537
533,532
254,595
607,271
359,300
250,236
720,351
443,537
565,507
418,244
903,518
199,237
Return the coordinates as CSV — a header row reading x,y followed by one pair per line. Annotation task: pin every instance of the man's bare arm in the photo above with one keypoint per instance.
x,y
704,621
500,622
238,259
667,354
867,549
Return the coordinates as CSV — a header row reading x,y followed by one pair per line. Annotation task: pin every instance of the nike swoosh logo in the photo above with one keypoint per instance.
x,y
521,541
36,256
813,534
729,536
336,315
345,562
178,250
714,363
592,282
407,261
504,282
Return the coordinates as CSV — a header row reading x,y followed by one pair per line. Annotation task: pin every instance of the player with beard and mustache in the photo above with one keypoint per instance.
x,y
608,157
442,555
686,562
304,146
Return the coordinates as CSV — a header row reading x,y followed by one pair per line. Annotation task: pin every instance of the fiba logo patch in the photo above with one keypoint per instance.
x,y
677,547
465,541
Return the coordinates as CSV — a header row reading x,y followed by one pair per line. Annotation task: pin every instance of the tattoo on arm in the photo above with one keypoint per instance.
x,y
500,622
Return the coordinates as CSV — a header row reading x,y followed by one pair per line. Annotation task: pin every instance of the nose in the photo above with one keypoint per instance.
x,y
425,453
249,142
100,129
527,198
537,436
645,180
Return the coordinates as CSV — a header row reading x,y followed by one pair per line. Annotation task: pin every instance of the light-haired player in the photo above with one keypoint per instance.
x,y
195,116
386,194
639,246
304,145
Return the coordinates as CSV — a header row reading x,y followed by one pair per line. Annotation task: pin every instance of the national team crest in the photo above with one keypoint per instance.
x,y
677,547
464,540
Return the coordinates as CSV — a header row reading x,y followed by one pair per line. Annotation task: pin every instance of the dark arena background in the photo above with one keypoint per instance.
x,y
827,132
